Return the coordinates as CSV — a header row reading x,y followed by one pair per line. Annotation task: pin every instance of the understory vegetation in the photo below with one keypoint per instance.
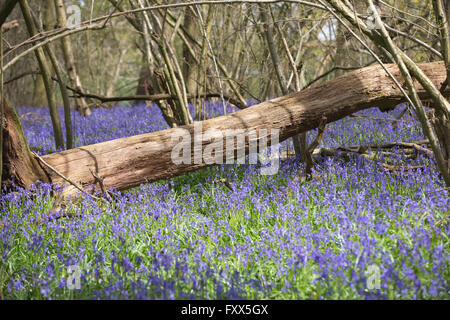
x,y
355,230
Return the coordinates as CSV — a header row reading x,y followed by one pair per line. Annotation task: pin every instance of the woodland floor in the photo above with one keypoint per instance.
x,y
354,223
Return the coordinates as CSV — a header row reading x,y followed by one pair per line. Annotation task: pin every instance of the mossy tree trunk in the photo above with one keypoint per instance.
x,y
20,168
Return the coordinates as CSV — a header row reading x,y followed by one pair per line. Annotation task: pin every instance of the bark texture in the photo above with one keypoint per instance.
x,y
18,162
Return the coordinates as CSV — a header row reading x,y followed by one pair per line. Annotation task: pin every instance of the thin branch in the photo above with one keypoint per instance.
x,y
323,75
156,97
417,147
213,58
62,176
24,74
49,39
418,41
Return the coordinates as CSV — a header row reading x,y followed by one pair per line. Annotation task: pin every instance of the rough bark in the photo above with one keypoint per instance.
x,y
69,60
128,162
18,162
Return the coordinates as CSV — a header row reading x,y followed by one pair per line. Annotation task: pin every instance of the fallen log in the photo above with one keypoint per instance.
x,y
128,162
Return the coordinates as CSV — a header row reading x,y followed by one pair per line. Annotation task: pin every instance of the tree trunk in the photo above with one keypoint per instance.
x,y
299,142
75,82
189,63
46,74
128,162
6,9
39,97
19,166
442,128
39,93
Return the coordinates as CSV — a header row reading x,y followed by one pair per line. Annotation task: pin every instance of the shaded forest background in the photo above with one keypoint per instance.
x,y
179,54
112,61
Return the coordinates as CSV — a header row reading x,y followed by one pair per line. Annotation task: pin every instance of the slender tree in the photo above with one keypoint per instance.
x,y
46,74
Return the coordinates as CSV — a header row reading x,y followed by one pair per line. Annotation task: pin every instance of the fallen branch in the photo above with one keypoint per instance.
x,y
400,168
361,149
99,180
59,174
417,147
226,183
155,97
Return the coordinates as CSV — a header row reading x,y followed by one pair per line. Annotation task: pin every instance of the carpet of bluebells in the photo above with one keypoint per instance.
x,y
353,231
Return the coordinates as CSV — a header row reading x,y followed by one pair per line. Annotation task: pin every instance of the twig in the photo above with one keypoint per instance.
x,y
438,190
155,97
109,17
21,76
417,147
399,168
102,185
49,39
62,176
402,113
360,116
323,75
226,183
363,148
